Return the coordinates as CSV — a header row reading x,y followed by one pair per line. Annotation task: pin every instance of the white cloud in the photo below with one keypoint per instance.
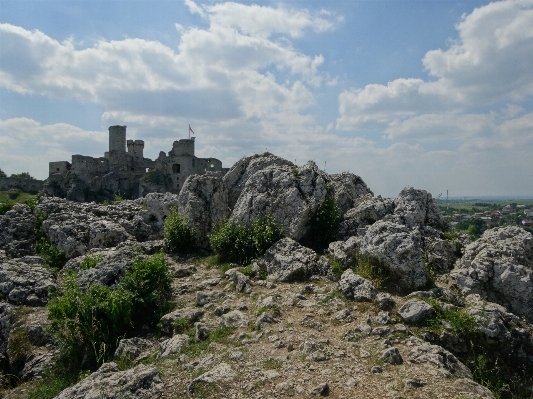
x,y
489,63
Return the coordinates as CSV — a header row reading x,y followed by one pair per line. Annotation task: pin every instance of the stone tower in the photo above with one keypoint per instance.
x,y
117,139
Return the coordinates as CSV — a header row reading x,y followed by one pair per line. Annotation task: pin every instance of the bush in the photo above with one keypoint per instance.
x,y
372,269
5,206
179,235
23,175
241,244
2,173
89,323
323,224
55,259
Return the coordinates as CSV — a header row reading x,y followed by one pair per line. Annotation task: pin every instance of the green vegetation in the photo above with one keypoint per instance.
x,y
322,227
371,268
118,198
89,323
234,243
90,261
6,202
461,322
2,173
474,227
23,175
182,325
336,265
220,335
179,236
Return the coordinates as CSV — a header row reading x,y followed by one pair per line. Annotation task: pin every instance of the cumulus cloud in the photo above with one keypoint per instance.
x,y
490,62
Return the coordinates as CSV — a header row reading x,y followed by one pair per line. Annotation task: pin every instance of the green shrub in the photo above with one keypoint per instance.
x,y
182,325
179,235
55,259
265,232
23,175
2,173
322,226
89,323
149,282
6,206
240,244
336,265
232,243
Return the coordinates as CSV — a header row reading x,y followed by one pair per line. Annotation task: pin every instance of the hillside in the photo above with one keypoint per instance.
x,y
362,296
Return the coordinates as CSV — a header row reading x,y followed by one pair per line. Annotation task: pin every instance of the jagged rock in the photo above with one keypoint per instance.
x,y
203,201
441,255
235,318
167,321
131,348
201,332
348,189
5,327
383,318
105,234
141,382
443,293
23,284
415,310
385,301
492,317
356,287
321,389
345,251
17,231
242,282
368,211
35,365
499,266
439,358
466,386
205,297
265,318
399,249
221,373
392,356
287,260
417,208
173,345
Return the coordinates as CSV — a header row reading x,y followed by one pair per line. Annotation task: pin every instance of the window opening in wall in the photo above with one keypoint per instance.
x,y
178,185
212,165
58,169
147,170
176,168
193,162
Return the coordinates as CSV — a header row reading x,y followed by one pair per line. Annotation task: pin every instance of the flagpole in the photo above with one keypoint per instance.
x,y
189,131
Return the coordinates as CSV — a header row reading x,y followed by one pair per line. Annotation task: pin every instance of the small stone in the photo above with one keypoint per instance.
x,y
392,356
376,370
322,390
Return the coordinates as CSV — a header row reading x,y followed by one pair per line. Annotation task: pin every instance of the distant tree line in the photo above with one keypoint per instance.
x,y
23,175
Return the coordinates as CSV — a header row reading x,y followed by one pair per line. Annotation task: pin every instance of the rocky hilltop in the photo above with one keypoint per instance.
x,y
390,302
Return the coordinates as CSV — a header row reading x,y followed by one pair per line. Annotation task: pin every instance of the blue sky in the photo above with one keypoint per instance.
x,y
434,94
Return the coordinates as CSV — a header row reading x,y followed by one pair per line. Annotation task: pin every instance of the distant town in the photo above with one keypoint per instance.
x,y
474,216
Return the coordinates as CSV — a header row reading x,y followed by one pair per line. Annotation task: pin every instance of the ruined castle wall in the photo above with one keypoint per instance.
x,y
87,167
58,167
26,185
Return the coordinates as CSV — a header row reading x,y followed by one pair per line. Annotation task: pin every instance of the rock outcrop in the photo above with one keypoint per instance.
x,y
17,231
499,267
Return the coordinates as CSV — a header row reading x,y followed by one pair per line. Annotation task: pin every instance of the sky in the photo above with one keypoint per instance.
x,y
433,94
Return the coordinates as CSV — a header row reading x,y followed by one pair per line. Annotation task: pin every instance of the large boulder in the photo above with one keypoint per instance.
x,y
399,249
367,212
416,208
17,231
356,287
287,260
203,201
24,281
499,267
108,381
347,190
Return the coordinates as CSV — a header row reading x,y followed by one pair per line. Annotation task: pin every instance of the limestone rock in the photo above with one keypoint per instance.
x,y
287,260
17,234
399,249
235,318
203,201
167,321
141,382
25,284
368,211
439,358
131,348
356,287
36,365
173,345
205,297
242,282
417,208
392,356
467,386
415,310
105,234
348,189
221,373
499,266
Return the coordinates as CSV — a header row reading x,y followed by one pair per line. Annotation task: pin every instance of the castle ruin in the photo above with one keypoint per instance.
x,y
124,170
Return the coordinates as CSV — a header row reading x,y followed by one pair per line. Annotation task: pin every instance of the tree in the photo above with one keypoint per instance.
x,y
23,175
2,173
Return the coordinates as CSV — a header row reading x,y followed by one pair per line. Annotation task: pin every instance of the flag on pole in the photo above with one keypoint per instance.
x,y
190,129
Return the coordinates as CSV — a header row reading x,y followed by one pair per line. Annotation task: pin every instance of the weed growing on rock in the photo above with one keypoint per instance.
x,y
221,334
6,206
55,259
90,261
372,269
182,325
179,236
